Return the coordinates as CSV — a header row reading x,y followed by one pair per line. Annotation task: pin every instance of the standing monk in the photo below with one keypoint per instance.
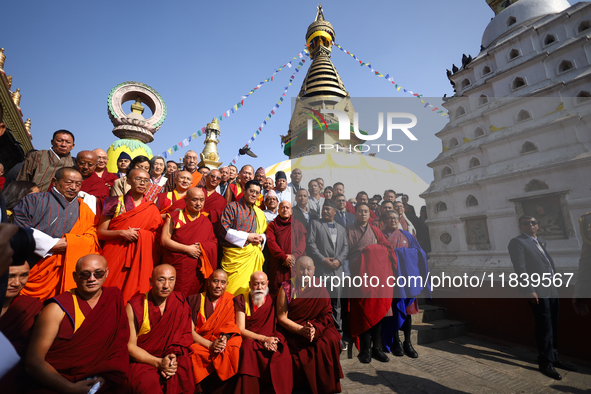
x,y
189,164
235,191
80,338
265,361
64,230
92,184
161,330
101,168
128,226
215,203
171,201
286,240
305,315
217,338
190,245
243,230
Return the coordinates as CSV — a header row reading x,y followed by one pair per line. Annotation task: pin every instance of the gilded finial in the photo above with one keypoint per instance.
x,y
213,125
9,79
28,125
137,107
16,97
319,14
2,58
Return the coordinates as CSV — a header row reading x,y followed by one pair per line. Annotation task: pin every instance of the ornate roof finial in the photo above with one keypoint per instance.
x,y
9,79
137,107
319,14
2,58
16,97
28,125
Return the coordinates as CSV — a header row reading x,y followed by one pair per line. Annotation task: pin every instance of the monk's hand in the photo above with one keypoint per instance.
x,y
288,261
168,366
255,238
193,251
270,344
60,246
130,234
218,345
83,386
308,331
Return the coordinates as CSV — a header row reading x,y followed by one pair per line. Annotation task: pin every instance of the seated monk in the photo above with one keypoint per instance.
x,y
304,313
189,244
80,338
16,321
265,361
161,330
286,240
128,226
171,201
217,338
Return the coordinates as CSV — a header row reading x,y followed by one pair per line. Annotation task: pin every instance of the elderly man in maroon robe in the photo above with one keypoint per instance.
x,y
189,244
16,321
161,332
286,240
265,361
101,168
92,184
80,338
175,200
304,313
412,262
235,191
370,254
215,203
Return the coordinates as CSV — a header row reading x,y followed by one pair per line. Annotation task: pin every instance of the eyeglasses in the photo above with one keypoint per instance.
x,y
527,223
141,181
85,275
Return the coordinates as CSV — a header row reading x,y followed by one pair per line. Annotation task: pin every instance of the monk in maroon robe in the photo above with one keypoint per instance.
x,y
286,240
16,321
189,244
215,203
101,168
265,361
80,339
175,200
235,191
370,254
161,330
86,162
305,315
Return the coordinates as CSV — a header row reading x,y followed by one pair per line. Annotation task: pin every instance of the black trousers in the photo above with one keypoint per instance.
x,y
546,323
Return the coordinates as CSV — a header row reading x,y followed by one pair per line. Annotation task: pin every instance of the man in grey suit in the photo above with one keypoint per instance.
x,y
328,247
342,216
531,260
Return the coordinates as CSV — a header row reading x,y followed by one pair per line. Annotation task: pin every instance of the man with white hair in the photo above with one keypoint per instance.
x,y
265,358
189,164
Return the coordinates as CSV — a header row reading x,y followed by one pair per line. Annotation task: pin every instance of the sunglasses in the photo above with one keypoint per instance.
x,y
527,223
85,275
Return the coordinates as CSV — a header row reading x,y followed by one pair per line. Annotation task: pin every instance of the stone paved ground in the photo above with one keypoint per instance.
x,y
460,365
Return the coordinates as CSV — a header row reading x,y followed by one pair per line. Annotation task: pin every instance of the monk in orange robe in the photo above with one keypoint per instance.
x,y
175,200
304,313
189,244
265,361
217,337
161,330
80,338
128,228
16,321
64,231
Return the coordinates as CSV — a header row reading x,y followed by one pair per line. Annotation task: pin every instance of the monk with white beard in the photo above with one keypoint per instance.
x,y
265,361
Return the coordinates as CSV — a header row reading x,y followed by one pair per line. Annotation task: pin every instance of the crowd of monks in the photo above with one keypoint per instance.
x,y
165,280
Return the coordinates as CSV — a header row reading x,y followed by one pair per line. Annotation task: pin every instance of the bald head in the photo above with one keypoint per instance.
x,y
86,163
258,275
284,209
304,269
90,275
217,284
163,269
184,180
138,172
194,200
162,281
259,287
96,259
102,159
213,179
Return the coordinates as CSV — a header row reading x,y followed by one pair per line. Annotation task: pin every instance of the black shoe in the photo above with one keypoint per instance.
x,y
365,356
562,365
397,349
379,355
343,345
550,372
409,350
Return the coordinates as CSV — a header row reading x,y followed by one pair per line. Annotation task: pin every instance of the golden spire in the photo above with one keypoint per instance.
x,y
28,125
137,107
16,97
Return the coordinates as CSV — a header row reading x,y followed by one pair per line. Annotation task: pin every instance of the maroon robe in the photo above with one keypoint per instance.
x,y
109,177
317,362
283,237
192,274
98,347
170,333
96,186
165,205
214,205
260,367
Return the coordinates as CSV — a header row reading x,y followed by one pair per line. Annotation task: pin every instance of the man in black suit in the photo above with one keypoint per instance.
x,y
328,247
343,216
531,259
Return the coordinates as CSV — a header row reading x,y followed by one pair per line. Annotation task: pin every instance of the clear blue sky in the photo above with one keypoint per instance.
x,y
66,56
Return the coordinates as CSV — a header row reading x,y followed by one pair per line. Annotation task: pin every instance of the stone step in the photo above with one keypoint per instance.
x,y
428,313
423,333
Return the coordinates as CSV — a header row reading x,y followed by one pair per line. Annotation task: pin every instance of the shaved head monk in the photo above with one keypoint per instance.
x,y
161,330
265,361
171,201
86,162
189,164
215,203
128,227
80,338
304,313
217,337
235,191
190,245
64,231
16,321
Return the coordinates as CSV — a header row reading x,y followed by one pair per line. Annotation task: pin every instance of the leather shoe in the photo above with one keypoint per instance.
x,y
562,365
409,350
550,372
397,349
365,356
379,355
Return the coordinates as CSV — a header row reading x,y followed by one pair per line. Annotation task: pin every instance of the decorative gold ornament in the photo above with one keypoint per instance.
x,y
210,157
2,58
16,97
